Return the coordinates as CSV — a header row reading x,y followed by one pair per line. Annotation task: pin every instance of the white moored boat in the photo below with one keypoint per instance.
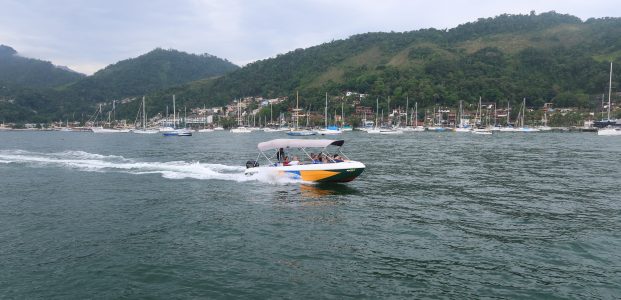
x,y
322,167
609,131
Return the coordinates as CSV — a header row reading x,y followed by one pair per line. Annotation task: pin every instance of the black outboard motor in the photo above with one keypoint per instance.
x,y
252,164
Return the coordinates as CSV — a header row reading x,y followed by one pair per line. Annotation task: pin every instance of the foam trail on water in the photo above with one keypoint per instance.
x,y
91,162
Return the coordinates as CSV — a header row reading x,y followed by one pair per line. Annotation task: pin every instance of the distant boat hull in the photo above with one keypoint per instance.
x,y
604,123
462,129
330,132
108,130
413,129
301,133
178,132
241,130
609,131
145,131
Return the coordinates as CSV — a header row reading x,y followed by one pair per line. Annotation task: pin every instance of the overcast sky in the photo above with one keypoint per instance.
x,y
88,35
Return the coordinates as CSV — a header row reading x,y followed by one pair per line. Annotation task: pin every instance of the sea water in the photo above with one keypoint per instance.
x,y
454,215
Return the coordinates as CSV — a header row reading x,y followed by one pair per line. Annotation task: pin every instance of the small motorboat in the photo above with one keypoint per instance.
x,y
321,167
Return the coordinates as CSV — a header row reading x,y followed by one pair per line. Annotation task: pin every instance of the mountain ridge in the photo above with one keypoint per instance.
x,y
16,71
543,57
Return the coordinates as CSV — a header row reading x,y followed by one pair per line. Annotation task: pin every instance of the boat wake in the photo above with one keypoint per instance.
x,y
91,162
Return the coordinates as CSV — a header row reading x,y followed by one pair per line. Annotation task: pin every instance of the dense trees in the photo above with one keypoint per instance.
x,y
158,69
548,57
17,71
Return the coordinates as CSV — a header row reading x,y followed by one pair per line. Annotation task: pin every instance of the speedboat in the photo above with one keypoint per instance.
x,y
320,168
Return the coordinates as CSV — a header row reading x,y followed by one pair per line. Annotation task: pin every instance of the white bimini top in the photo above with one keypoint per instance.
x,y
298,143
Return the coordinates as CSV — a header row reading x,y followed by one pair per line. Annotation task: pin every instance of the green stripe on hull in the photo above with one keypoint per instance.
x,y
344,175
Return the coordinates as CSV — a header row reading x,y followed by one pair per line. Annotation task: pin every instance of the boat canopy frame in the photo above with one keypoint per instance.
x,y
301,144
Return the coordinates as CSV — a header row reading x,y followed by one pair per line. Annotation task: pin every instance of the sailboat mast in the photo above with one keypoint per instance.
x,y
508,113
144,116
523,111
407,107
325,117
342,116
297,106
609,90
416,115
174,113
461,113
376,110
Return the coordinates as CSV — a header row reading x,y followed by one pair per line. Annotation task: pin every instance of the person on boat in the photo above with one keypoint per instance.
x,y
337,158
314,158
280,154
294,161
285,161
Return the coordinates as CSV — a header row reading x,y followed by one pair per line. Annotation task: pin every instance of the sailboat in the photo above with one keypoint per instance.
x,y
296,131
509,127
414,126
544,121
523,127
270,126
240,126
479,129
375,128
343,126
176,131
438,126
611,127
328,130
143,129
101,129
462,127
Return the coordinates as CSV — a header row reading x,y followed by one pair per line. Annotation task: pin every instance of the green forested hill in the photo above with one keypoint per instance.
x,y
155,70
147,73
545,57
18,71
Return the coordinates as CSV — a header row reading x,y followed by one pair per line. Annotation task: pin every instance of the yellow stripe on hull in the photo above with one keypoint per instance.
x,y
316,175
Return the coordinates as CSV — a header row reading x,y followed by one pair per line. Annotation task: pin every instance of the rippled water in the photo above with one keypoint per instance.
x,y
434,215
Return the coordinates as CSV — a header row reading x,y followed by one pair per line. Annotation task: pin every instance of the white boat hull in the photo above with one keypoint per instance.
x,y
609,131
108,130
241,130
329,132
145,131
321,172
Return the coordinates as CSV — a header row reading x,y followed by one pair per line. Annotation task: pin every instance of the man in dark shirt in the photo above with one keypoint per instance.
x,y
280,155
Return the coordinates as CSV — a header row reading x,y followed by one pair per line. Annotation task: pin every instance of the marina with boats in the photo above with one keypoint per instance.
x,y
250,114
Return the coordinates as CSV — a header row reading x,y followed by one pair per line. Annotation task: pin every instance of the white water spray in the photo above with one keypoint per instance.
x,y
91,162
